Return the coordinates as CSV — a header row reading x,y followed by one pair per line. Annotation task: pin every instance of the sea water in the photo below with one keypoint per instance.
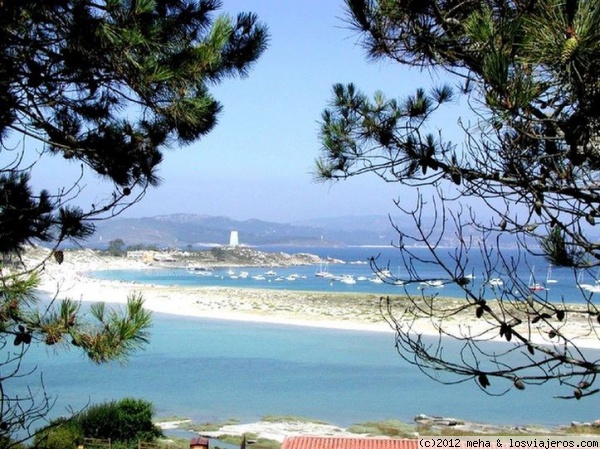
x,y
216,370
363,262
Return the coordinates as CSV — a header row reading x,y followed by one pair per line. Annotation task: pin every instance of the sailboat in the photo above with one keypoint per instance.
x,y
532,285
323,272
549,279
587,287
496,281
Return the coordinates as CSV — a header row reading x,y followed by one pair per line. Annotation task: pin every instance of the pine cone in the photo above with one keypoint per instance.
x,y
568,49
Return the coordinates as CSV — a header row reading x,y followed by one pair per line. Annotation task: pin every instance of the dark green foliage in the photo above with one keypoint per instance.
x,y
7,443
146,247
23,217
103,335
531,75
118,334
125,420
59,434
108,84
116,247
558,251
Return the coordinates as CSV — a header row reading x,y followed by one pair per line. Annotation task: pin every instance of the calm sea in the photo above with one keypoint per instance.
x,y
357,266
213,370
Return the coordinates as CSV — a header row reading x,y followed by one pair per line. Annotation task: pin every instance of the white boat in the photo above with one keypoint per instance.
x,y
590,288
199,269
436,283
536,287
384,273
376,280
322,272
397,281
270,273
549,279
496,281
587,287
258,277
348,279
532,285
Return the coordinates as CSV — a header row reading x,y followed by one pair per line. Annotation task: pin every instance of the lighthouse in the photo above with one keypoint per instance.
x,y
234,239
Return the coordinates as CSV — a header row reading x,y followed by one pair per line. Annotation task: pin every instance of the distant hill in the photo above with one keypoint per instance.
x,y
181,230
374,223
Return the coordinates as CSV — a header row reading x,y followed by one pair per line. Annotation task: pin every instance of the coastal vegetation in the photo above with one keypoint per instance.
x,y
518,166
124,423
105,87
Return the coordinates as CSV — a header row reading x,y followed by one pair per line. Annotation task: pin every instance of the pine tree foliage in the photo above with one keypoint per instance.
x,y
529,156
106,85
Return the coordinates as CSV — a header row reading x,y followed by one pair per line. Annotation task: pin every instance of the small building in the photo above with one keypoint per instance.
x,y
314,442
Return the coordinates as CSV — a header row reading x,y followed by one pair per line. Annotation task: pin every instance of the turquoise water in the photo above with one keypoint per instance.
x,y
212,370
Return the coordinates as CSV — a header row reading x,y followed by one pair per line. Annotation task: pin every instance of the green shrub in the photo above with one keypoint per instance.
x,y
126,420
60,434
7,442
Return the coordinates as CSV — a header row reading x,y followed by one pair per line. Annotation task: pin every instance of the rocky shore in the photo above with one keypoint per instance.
x,y
227,256
277,429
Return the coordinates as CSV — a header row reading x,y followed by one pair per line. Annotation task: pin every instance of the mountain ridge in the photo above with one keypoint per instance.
x,y
184,230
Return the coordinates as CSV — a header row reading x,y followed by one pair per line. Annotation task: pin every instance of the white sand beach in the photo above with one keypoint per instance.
x,y
330,310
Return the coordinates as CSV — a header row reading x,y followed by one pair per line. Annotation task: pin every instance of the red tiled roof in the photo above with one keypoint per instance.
x,y
309,442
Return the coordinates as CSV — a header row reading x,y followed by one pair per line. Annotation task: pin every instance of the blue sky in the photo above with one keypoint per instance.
x,y
258,160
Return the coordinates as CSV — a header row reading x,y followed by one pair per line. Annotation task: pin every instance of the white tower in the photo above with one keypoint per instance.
x,y
234,239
